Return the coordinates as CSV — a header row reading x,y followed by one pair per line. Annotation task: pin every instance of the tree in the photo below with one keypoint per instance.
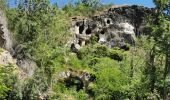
x,y
92,3
41,29
7,80
161,34
2,4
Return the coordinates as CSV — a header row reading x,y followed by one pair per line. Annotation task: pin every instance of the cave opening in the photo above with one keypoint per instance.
x,y
73,48
102,32
125,47
80,42
108,21
77,24
81,28
74,81
88,31
116,56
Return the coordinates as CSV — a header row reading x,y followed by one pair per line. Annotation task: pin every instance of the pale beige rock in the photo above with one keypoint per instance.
x,y
6,35
6,58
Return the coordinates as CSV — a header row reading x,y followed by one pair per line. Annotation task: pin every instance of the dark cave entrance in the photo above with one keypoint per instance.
x,y
102,32
2,40
80,42
108,22
88,31
74,81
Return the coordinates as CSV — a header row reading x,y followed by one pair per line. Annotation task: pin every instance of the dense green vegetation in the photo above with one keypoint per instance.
x,y
42,29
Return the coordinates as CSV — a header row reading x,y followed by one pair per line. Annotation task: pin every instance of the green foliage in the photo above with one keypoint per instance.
x,y
79,10
7,80
85,8
1,50
109,80
161,4
63,93
3,87
2,4
94,4
35,86
97,51
116,54
42,31
161,37
93,40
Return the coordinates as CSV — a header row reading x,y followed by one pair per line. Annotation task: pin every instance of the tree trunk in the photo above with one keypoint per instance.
x,y
166,69
131,64
153,70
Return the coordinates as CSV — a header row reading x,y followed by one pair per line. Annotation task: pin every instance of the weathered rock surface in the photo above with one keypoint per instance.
x,y
114,27
80,79
24,70
6,58
5,35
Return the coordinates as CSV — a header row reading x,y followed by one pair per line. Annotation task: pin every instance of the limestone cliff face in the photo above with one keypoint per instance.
x,y
114,27
5,35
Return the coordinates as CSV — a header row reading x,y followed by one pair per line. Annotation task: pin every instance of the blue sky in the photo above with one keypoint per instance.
x,y
147,3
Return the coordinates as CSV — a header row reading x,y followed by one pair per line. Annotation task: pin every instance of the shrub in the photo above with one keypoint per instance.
x,y
7,80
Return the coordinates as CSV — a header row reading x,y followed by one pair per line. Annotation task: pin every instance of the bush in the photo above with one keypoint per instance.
x,y
116,55
7,80
108,80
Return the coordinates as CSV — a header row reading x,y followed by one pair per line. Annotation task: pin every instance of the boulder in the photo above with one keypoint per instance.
x,y
6,58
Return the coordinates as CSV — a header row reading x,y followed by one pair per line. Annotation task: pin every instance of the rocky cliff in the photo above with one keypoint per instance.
x,y
5,35
114,27
13,54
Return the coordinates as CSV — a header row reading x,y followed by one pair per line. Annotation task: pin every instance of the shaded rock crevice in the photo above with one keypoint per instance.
x,y
2,40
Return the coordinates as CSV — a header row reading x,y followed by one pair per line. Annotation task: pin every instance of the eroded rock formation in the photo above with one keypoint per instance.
x,y
6,58
5,35
80,79
114,27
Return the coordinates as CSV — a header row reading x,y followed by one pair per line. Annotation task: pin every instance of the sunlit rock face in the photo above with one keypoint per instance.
x,y
6,58
23,62
114,27
25,69
5,35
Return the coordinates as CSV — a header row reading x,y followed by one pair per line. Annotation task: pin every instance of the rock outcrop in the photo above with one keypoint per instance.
x,y
80,79
6,58
114,27
5,35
